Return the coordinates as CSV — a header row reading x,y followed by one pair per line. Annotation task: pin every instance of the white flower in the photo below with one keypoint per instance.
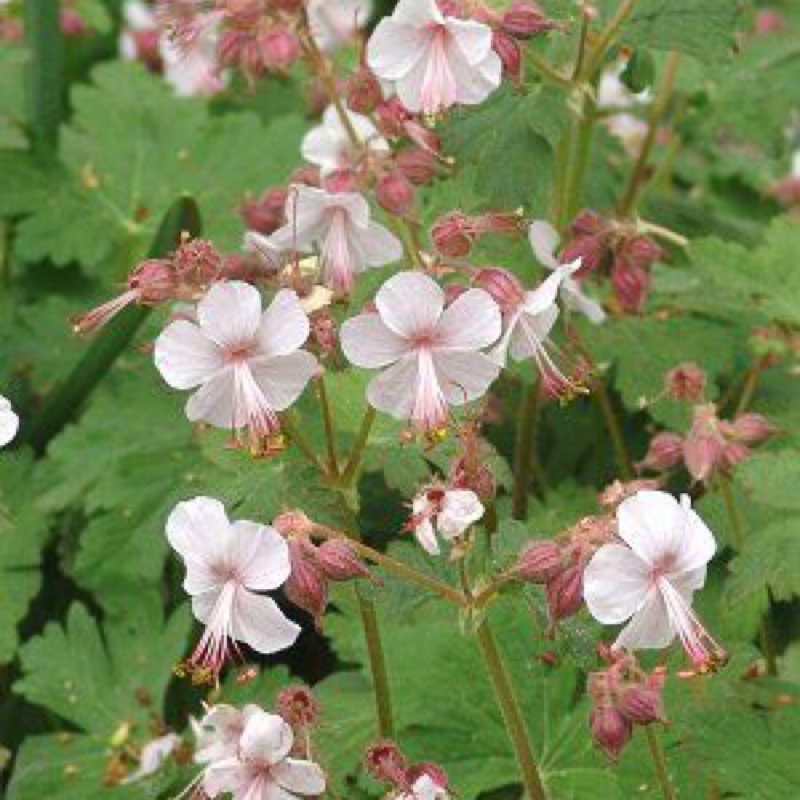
x,y
335,22
650,579
425,788
432,60
153,756
248,365
612,94
339,225
330,147
433,353
448,512
262,769
227,564
9,422
544,241
190,65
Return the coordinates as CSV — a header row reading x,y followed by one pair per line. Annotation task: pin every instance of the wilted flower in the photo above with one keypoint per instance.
x,y
446,512
9,422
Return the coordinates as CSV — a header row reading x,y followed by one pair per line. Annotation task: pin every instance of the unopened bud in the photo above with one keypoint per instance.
x,y
298,706
641,705
306,586
752,428
72,23
639,251
701,454
631,286
538,562
418,165
665,451
686,382
197,263
280,48
588,241
339,561
395,193
610,730
363,91
504,287
733,453
453,235
293,523
386,763
508,49
565,593
524,21
265,214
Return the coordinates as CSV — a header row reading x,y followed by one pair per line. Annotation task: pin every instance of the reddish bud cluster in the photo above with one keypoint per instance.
x,y
267,213
455,234
386,763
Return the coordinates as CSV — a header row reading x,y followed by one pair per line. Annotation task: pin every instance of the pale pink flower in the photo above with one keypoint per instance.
x,y
336,22
152,757
650,578
432,60
248,365
425,788
446,512
227,564
330,147
339,226
433,353
9,422
217,734
262,768
190,64
544,241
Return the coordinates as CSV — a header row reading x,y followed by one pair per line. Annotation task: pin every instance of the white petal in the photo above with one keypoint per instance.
x,y
393,391
544,241
260,554
615,584
426,536
546,293
367,342
378,246
283,379
473,39
259,622
306,215
394,49
577,300
153,755
284,326
267,738
325,147
9,422
185,356
230,313
304,777
697,546
531,331
475,83
410,303
460,509
213,402
650,627
266,250
419,13
464,376
472,321
224,776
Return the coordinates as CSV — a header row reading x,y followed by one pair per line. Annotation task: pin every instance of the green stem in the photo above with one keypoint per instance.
x,y
67,400
354,462
524,446
603,400
654,118
606,39
42,20
512,713
330,431
659,762
583,130
293,432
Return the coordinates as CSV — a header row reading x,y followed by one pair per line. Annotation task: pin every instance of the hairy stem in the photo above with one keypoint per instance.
x,y
581,138
512,713
354,462
330,431
659,762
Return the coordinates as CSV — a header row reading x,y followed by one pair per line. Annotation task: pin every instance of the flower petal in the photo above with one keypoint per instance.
x,y
185,356
575,298
298,776
394,48
544,241
377,245
472,39
260,555
9,422
230,313
464,376
259,622
530,332
460,509
615,584
284,326
394,390
283,379
213,402
650,627
266,738
472,321
419,13
426,537
367,342
544,296
410,303
227,775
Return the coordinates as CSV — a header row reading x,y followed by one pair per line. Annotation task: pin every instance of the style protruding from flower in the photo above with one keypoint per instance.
x,y
245,364
228,565
440,512
433,353
432,60
648,579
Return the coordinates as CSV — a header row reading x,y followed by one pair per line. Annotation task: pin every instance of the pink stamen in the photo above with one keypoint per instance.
x,y
214,647
251,408
337,259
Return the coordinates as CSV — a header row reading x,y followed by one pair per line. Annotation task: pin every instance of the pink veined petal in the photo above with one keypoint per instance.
x,y
438,85
394,49
214,402
185,356
261,624
355,208
474,83
284,326
394,390
464,376
616,583
544,241
575,298
266,738
410,304
307,221
426,537
377,246
367,342
199,530
650,627
472,39
304,777
283,379
471,322
224,776
430,409
419,13
339,259
260,556
230,313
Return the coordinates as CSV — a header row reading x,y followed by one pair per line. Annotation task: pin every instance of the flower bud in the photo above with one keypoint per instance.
x,y
752,428
477,478
524,21
665,451
639,251
418,165
701,454
266,214
197,263
363,91
510,54
687,382
395,193
392,117
565,593
280,48
631,286
733,453
610,730
641,704
504,287
293,523
453,235
386,763
338,560
587,240
324,332
769,21
298,706
538,562
306,586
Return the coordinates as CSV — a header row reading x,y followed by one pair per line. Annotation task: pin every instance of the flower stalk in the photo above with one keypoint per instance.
x,y
659,762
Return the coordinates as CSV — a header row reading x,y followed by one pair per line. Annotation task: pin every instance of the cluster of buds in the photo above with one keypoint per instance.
x,y
194,266
455,234
315,566
386,763
299,707
623,695
619,249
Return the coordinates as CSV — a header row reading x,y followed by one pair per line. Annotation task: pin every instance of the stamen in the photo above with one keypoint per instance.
x,y
430,411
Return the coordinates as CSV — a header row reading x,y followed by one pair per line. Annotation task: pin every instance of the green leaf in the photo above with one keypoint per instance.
x,y
772,478
13,63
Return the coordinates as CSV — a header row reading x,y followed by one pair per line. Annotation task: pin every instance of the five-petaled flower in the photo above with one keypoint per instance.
x,y
248,365
433,353
650,578
227,565
433,60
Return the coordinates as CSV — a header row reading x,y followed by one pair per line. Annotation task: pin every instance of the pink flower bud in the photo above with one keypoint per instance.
x,y
641,704
498,222
298,706
733,453
787,191
197,263
504,287
631,286
453,235
752,428
477,478
769,21
565,593
293,523
280,48
395,194
686,382
587,240
665,451
610,730
266,214
72,23
538,562
418,165
639,251
339,561
386,763
363,91
392,117
702,454
324,332
306,586
510,54
524,21
146,45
